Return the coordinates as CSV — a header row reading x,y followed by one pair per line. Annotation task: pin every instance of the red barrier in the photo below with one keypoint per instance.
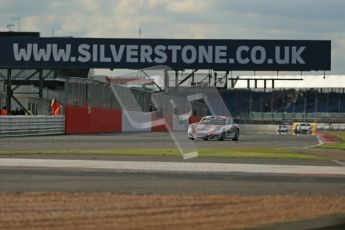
x,y
84,120
194,119
161,128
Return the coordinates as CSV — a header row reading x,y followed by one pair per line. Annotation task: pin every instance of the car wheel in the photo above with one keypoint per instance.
x,y
237,135
191,138
222,137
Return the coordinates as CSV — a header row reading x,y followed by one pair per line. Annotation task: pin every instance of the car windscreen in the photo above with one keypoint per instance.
x,y
213,121
305,125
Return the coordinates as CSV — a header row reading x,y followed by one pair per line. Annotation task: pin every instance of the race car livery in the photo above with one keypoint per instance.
x,y
214,128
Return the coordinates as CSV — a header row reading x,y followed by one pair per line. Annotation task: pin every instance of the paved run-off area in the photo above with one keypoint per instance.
x,y
148,140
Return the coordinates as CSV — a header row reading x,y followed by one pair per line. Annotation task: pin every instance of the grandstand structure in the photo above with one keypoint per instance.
x,y
256,99
286,105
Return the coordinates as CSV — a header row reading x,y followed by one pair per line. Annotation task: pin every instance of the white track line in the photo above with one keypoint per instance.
x,y
339,162
320,142
195,167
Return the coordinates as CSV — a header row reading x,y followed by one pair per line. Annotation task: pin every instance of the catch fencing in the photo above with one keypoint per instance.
x,y
87,92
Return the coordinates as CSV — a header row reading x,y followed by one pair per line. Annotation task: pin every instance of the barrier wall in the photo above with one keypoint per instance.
x,y
147,122
179,125
258,129
331,126
31,125
156,118
136,122
194,119
89,120
84,120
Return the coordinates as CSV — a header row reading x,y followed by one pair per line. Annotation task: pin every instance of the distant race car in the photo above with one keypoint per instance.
x,y
304,128
214,128
282,129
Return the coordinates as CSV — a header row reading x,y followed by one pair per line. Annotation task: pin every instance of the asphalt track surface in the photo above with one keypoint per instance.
x,y
146,140
23,179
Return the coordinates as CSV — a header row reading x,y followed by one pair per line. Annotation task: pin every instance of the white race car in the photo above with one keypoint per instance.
x,y
214,128
303,128
282,129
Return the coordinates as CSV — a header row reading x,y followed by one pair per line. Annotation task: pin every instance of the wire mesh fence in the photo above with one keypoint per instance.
x,y
86,92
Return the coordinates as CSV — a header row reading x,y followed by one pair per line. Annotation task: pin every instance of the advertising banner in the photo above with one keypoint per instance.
x,y
178,54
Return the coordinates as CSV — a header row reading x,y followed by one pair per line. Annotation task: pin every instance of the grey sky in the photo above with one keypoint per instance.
x,y
247,19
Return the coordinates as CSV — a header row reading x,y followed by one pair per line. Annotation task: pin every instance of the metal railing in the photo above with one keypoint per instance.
x,y
274,117
31,125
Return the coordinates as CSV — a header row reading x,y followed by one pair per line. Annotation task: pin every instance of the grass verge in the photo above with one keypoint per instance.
x,y
242,152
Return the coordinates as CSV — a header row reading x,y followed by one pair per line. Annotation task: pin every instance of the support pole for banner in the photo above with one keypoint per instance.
x,y
193,81
209,78
324,74
226,80
166,81
234,80
215,79
40,88
9,90
20,104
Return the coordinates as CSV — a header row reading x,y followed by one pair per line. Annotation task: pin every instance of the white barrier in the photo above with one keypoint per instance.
x,y
260,128
331,126
31,125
